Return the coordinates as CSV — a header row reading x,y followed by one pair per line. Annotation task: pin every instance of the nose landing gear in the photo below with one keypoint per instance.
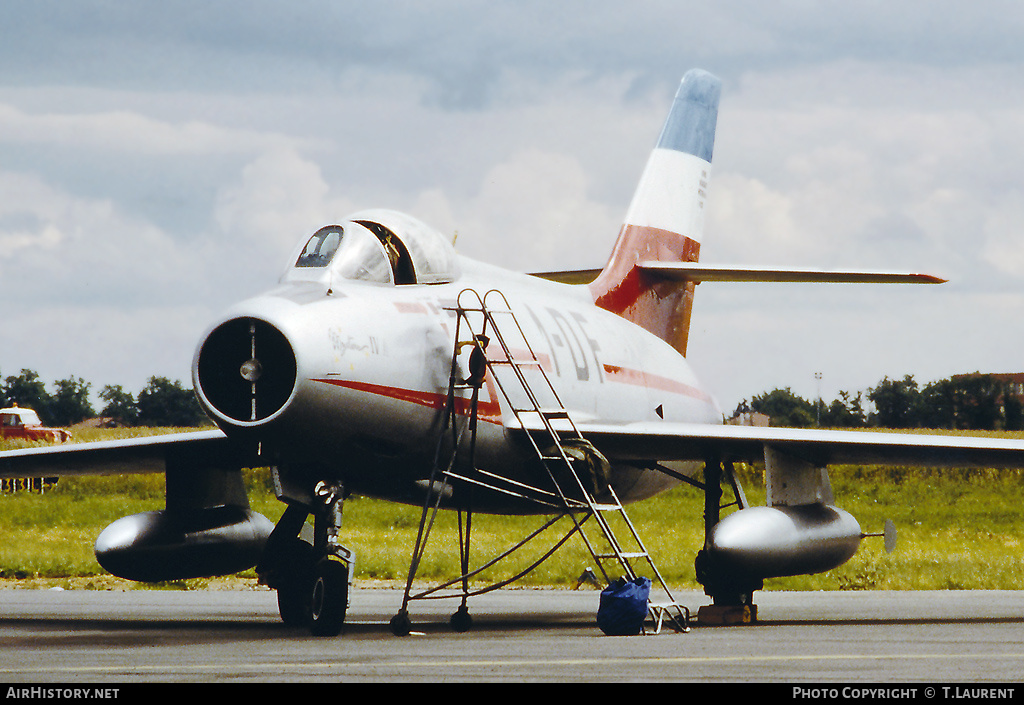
x,y
312,580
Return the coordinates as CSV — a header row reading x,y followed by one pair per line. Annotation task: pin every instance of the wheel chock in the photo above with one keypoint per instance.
x,y
727,614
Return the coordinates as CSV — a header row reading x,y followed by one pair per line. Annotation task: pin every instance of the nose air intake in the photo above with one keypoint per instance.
x,y
246,370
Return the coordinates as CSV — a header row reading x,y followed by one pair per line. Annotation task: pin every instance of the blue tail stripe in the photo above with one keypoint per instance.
x,y
690,126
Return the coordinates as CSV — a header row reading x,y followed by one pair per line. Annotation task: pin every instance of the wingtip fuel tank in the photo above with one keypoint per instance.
x,y
158,546
771,542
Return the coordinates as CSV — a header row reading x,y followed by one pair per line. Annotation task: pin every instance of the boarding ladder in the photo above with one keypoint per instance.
x,y
567,457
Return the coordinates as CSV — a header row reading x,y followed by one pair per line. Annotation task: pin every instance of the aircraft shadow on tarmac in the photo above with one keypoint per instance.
x,y
42,632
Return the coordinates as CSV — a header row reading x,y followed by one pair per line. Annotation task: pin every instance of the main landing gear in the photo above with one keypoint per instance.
x,y
732,595
312,580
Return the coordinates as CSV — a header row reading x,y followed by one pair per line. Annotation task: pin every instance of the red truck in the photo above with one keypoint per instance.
x,y
18,422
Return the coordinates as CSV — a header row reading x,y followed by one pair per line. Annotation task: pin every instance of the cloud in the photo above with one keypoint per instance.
x,y
534,211
279,199
276,193
159,154
60,247
103,343
880,179
464,50
126,132
1002,244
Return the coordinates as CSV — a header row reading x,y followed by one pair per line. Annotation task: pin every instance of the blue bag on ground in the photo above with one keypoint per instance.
x,y
623,606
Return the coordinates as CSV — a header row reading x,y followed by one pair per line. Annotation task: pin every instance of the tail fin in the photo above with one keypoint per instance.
x,y
665,221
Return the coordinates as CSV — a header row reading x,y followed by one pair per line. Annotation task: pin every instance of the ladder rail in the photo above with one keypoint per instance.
x,y
488,321
547,415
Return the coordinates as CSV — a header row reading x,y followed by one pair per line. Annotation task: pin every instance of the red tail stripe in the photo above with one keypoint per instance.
x,y
662,308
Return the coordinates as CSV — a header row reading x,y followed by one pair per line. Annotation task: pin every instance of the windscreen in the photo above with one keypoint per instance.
x,y
320,249
353,253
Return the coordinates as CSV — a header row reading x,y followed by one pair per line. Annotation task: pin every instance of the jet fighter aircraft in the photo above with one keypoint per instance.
x,y
383,363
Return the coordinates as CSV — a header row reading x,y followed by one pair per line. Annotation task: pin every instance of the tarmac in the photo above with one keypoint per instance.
x,y
932,639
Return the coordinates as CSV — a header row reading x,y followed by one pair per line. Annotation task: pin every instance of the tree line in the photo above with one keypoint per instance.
x,y
161,403
966,402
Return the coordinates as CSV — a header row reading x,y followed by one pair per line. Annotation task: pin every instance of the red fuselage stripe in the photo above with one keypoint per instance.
x,y
486,410
652,381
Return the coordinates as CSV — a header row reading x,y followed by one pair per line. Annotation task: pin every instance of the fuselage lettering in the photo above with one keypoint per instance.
x,y
547,339
579,358
581,320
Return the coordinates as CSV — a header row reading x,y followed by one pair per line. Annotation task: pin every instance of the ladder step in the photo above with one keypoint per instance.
x,y
559,433
550,413
663,605
518,363
559,457
664,610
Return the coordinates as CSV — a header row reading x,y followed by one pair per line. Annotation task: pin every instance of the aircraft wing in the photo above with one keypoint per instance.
x,y
635,442
665,441
146,454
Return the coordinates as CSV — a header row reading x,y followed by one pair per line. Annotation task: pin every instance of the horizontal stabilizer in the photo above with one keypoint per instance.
x,y
569,276
697,272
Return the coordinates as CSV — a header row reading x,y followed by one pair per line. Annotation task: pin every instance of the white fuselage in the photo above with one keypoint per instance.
x,y
372,369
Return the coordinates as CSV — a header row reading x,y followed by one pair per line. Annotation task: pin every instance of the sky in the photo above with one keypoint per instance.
x,y
160,161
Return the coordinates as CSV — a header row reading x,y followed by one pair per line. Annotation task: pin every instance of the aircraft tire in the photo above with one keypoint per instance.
x,y
293,599
329,599
295,589
722,586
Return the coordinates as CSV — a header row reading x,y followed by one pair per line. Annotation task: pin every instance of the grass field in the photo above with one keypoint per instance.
x,y
957,529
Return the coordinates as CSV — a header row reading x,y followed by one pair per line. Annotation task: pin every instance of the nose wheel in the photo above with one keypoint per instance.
x,y
294,586
315,595
329,598
312,581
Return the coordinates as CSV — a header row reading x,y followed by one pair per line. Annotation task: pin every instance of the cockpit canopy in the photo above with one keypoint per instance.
x,y
379,246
